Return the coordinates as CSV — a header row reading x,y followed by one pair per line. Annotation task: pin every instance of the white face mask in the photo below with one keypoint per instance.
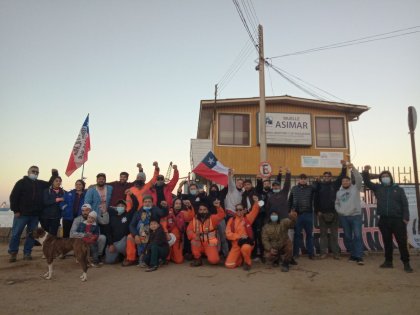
x,y
274,218
120,210
276,191
33,176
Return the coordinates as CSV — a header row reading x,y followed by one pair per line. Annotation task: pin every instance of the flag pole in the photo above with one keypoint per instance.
x,y
83,169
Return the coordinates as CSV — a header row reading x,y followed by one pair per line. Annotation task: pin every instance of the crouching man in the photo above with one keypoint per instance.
x,y
202,233
104,219
276,240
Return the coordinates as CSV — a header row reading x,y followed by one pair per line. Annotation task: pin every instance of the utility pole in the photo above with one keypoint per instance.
x,y
261,65
412,122
214,115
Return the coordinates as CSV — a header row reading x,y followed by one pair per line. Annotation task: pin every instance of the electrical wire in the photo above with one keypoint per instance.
x,y
353,42
245,23
271,81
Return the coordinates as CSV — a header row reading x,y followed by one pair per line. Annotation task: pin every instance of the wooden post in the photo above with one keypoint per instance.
x,y
261,65
412,122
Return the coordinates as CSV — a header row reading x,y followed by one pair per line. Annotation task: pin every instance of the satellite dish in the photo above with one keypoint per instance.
x,y
412,118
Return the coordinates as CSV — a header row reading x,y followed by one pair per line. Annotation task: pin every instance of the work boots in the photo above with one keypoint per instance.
x,y
196,263
407,267
12,257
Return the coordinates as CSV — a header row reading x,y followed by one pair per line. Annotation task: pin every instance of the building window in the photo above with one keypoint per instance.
x,y
330,132
233,129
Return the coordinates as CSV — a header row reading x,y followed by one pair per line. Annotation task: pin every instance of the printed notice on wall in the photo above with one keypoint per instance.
x,y
331,159
310,161
413,224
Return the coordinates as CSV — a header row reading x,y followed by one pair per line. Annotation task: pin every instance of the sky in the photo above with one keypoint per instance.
x,y
140,69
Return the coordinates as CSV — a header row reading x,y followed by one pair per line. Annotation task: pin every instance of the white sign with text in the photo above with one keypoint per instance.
x,y
286,128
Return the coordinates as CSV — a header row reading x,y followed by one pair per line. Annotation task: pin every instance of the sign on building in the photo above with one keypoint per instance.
x,y
288,129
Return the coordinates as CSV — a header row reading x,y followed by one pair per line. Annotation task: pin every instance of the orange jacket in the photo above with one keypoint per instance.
x,y
205,231
141,192
240,230
168,223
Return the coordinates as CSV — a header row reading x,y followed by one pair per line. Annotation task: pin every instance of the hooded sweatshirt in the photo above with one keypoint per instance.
x,y
233,196
347,202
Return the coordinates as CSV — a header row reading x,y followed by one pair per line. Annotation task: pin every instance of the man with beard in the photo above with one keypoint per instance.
x,y
163,192
99,195
202,233
86,209
141,188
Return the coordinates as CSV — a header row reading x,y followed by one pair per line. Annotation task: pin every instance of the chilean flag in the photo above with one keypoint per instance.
x,y
211,169
79,154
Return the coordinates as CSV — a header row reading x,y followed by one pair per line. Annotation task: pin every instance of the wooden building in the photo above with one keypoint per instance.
x,y
309,136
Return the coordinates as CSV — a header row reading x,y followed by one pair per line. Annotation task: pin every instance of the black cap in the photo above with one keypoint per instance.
x,y
101,175
121,201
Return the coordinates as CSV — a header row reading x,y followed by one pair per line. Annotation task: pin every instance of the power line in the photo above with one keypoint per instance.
x,y
245,23
307,83
358,41
271,81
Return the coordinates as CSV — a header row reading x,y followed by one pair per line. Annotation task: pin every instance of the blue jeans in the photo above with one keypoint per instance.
x,y
352,226
305,221
19,223
111,258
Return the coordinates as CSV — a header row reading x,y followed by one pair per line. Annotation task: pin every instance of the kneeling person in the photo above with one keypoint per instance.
x,y
276,241
239,231
157,246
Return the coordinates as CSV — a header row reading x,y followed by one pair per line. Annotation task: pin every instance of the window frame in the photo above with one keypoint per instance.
x,y
249,129
345,124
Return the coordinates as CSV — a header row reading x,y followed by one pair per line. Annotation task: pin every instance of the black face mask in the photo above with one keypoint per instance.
x,y
203,216
213,193
139,182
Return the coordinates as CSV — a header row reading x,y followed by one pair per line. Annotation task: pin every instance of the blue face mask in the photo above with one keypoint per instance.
x,y
274,218
276,191
120,210
193,192
386,181
33,176
147,208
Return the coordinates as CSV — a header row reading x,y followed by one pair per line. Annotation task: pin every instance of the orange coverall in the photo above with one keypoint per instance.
x,y
141,192
169,226
237,253
203,236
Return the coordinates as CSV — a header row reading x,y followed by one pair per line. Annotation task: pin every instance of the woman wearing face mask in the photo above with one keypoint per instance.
x,y
174,223
276,241
72,205
118,229
53,201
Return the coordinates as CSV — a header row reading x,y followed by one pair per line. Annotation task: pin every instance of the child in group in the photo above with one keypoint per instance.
x,y
157,246
91,231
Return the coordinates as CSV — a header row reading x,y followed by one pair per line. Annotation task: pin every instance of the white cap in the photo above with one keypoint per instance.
x,y
92,214
86,205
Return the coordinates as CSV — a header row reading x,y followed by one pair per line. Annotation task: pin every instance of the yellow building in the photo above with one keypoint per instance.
x,y
309,136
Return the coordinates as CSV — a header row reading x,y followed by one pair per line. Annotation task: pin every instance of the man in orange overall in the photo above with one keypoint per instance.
x,y
140,189
239,231
175,223
202,233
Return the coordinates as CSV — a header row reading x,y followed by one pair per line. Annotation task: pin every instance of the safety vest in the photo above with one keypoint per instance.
x,y
205,233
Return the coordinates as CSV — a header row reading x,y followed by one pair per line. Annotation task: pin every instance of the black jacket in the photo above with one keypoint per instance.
x,y
119,225
247,195
301,198
52,209
158,237
277,202
27,196
326,193
391,200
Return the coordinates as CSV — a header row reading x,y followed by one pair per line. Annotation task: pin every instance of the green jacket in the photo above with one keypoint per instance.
x,y
275,234
391,200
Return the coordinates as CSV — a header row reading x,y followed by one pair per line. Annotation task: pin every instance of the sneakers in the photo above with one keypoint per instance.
x,y
150,269
352,259
293,262
246,267
284,268
196,263
407,267
12,258
360,261
323,256
387,264
311,257
27,257
336,257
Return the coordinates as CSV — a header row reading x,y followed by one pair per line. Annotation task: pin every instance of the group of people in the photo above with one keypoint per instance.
x,y
143,223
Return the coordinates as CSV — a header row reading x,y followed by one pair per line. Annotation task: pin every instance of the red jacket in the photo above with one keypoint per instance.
x,y
167,190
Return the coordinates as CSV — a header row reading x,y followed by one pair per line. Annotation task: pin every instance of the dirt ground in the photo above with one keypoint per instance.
x,y
312,287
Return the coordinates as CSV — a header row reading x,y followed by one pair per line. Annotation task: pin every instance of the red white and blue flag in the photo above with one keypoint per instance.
x,y
79,154
210,168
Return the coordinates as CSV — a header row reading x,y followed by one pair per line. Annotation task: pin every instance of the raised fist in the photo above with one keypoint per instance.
x,y
155,164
